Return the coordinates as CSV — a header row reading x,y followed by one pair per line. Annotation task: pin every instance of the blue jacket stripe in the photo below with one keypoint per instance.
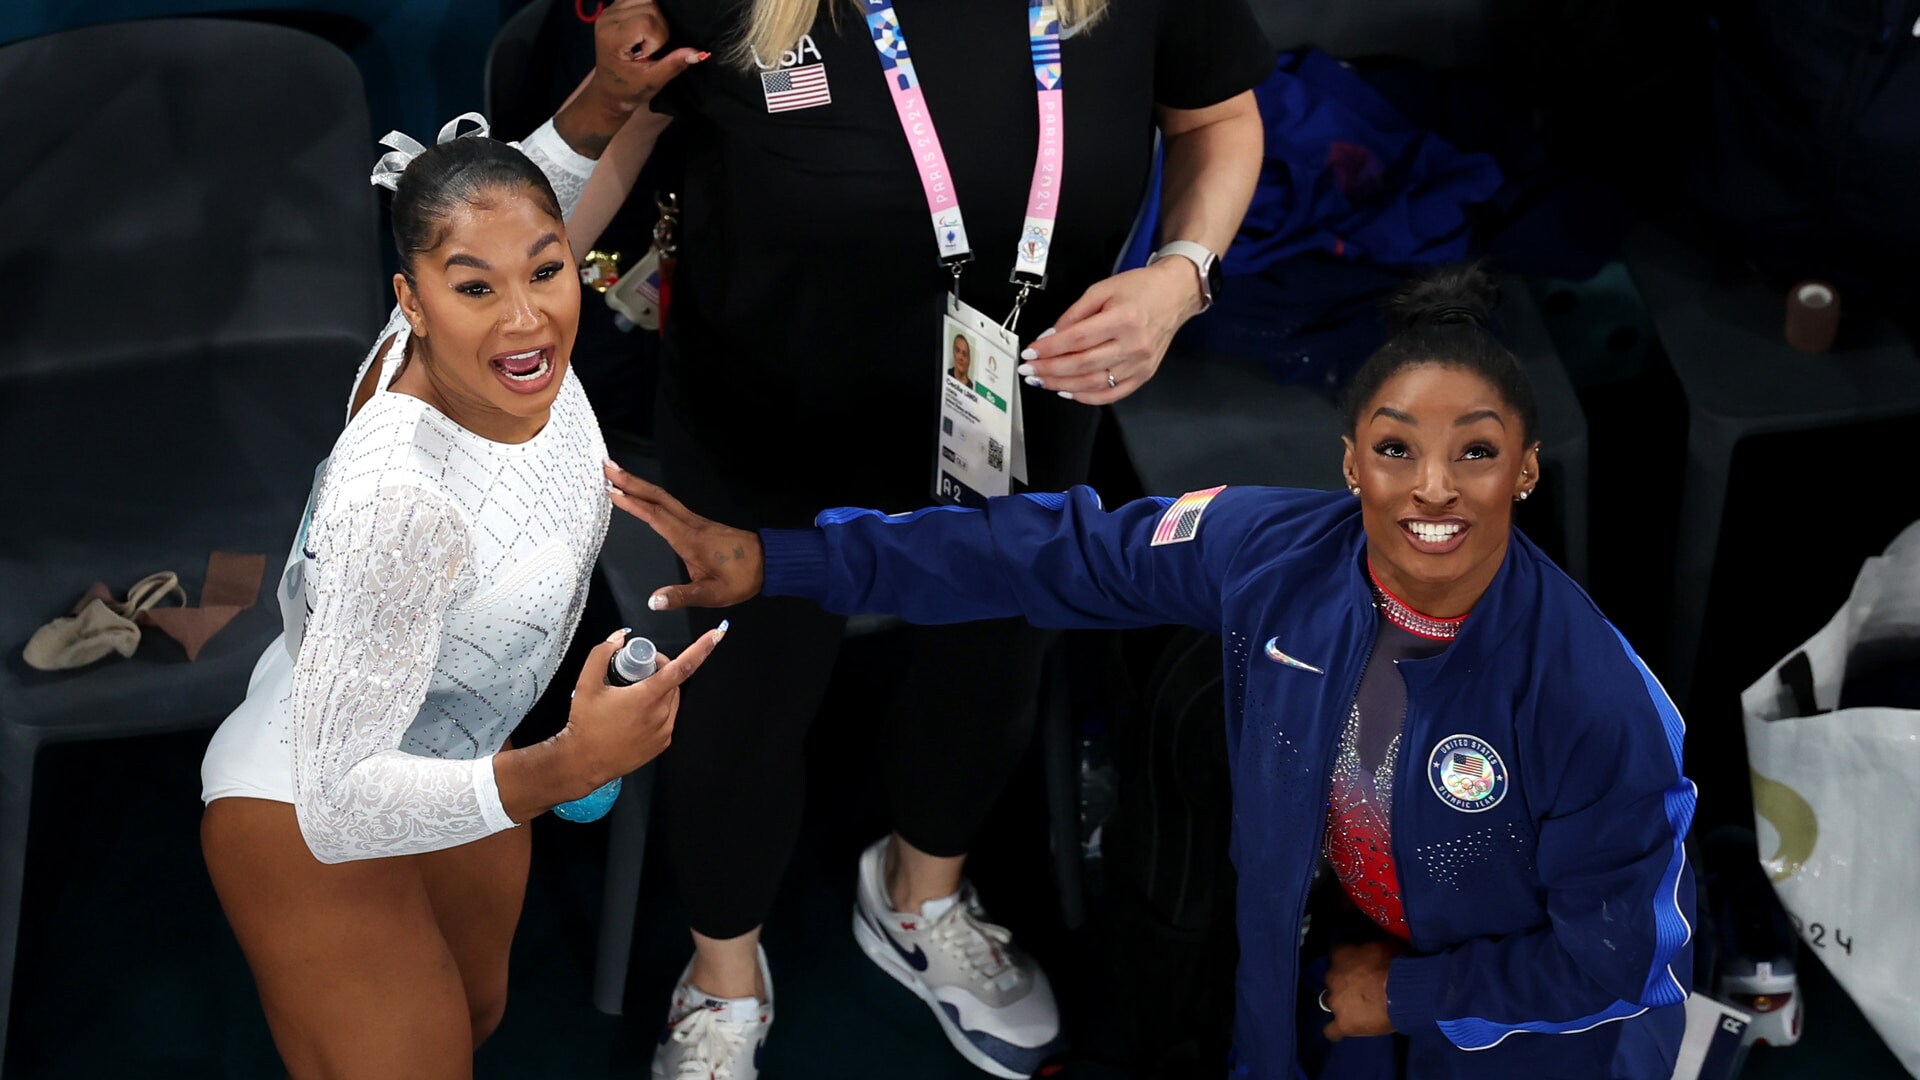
x,y
842,515
1672,931
1473,1033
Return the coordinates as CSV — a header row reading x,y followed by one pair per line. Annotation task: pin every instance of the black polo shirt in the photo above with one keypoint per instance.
x,y
805,324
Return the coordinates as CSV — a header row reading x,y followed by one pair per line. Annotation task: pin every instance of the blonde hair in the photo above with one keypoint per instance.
x,y
775,26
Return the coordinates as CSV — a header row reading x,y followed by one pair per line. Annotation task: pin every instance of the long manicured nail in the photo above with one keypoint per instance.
x,y
697,57
721,630
612,465
620,634
1048,332
657,602
1025,369
1034,380
1066,395
1029,354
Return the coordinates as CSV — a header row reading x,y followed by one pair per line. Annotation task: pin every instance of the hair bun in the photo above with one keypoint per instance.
x,y
1451,294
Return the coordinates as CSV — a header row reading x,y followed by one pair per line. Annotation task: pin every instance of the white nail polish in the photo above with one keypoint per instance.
x,y
1034,380
1048,332
1029,354
656,602
1066,395
1025,369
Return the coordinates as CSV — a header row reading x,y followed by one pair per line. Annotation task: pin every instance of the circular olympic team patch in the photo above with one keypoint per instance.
x,y
1467,773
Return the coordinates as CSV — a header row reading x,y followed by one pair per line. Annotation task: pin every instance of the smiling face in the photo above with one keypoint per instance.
x,y
495,306
1438,458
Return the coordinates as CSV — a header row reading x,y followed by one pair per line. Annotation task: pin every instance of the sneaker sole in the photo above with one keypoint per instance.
x,y
883,956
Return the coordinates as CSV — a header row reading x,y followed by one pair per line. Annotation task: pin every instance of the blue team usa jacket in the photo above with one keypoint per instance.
x,y
1539,808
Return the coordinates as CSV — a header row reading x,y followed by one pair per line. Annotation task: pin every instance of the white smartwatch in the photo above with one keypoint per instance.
x,y
1203,260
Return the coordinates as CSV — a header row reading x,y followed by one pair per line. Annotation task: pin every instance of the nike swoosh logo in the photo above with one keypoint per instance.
x,y
917,959
1274,654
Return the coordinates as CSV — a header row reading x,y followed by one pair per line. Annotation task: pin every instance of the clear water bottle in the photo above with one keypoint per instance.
x,y
636,660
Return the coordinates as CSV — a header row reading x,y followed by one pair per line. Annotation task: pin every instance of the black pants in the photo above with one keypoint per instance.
x,y
734,780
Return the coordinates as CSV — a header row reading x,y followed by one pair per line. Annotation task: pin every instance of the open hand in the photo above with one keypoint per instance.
x,y
724,565
1357,990
1120,327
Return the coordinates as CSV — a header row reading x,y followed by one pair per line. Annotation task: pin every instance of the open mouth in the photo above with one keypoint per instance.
x,y
1435,537
525,371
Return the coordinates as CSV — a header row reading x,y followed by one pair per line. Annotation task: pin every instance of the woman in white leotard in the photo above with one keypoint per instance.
x,y
362,802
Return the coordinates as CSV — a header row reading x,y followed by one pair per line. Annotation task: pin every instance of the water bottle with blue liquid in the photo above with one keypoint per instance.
x,y
636,660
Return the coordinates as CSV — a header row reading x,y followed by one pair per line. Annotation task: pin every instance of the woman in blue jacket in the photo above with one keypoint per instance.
x,y
1415,694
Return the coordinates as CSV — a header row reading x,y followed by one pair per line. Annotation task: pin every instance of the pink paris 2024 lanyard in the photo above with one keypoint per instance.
x,y
943,202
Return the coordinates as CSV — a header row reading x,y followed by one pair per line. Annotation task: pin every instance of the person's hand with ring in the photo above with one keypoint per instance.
x,y
1111,341
1356,992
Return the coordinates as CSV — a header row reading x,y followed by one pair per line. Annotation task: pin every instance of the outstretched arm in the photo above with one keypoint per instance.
x,y
1056,559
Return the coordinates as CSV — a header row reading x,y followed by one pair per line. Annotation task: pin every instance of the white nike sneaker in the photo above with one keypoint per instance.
x,y
710,1038
991,999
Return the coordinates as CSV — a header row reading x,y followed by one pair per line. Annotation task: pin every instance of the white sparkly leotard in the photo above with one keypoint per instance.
x,y
435,582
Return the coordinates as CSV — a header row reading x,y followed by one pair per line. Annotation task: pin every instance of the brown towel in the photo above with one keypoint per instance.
x,y
233,584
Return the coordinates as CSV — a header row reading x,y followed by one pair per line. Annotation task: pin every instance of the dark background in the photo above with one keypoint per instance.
x,y
126,967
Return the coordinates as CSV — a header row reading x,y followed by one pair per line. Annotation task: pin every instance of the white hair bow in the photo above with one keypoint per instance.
x,y
386,171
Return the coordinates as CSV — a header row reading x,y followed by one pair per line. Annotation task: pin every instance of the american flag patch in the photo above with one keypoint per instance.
x,y
796,88
1469,765
1181,522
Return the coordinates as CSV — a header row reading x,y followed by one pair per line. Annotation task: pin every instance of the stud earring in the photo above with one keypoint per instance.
x,y
1522,497
1355,489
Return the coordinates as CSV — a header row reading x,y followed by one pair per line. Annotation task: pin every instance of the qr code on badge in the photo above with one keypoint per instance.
x,y
996,456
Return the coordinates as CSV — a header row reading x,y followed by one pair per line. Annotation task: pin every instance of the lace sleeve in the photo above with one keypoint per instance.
x,y
385,572
567,170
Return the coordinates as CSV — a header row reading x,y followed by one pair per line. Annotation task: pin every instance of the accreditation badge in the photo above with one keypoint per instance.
x,y
979,393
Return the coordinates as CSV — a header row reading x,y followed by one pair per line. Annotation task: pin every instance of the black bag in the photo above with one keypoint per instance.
x,y
1169,882
1809,161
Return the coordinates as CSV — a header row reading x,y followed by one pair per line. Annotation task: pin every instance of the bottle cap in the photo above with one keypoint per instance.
x,y
636,660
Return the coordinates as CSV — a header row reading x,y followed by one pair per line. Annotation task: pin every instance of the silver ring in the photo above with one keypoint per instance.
x,y
1323,1002
1112,383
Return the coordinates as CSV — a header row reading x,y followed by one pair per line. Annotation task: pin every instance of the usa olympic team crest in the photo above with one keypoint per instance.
x,y
1467,773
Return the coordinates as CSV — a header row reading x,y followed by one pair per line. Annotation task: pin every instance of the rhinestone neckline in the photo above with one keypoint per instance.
x,y
1400,614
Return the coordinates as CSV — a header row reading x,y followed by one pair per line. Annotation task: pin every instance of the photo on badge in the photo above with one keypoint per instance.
x,y
960,360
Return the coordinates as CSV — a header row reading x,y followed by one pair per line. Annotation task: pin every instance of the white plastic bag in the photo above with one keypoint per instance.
x,y
1837,802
